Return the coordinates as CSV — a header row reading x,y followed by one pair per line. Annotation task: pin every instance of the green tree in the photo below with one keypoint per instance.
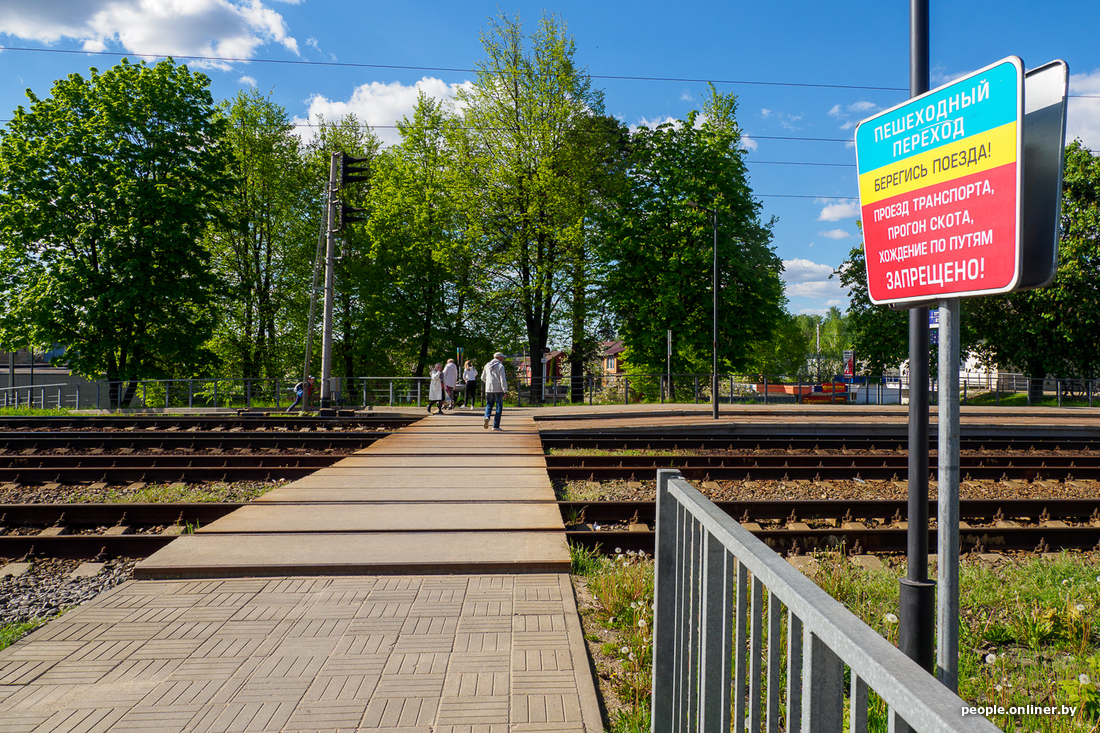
x,y
1053,331
518,192
106,189
425,270
787,353
661,248
878,333
264,251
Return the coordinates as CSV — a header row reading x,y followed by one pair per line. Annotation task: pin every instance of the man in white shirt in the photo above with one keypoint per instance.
x,y
496,385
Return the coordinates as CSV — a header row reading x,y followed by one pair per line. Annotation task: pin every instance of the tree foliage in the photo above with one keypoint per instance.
x,y
262,253
107,188
660,247
1054,330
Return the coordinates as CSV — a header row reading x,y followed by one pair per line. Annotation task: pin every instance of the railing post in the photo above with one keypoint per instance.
x,y
418,393
215,393
822,686
591,388
998,390
697,389
278,396
765,390
731,389
1027,383
78,396
190,393
664,592
364,391
248,393
794,673
1058,390
717,639
626,390
391,393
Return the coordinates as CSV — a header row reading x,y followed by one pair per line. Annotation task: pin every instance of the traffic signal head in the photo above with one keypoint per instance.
x,y
353,170
348,214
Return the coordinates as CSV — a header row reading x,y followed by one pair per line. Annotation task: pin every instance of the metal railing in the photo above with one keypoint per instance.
x,y
721,660
278,394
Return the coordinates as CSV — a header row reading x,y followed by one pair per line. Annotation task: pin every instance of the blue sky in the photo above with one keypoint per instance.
x,y
826,66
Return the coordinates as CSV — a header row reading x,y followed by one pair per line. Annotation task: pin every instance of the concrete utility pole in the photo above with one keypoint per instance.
x,y
330,266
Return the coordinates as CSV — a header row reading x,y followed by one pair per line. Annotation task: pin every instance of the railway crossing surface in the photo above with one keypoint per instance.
x,y
419,585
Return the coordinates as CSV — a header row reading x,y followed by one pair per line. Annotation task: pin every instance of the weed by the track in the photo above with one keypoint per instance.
x,y
1026,632
30,412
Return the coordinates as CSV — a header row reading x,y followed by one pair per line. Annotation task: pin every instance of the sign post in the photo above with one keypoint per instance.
x,y
960,190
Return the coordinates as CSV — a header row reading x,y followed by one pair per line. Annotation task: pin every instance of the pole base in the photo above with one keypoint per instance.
x,y
917,621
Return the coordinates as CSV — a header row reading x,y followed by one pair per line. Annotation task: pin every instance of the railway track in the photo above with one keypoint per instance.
x,y
791,527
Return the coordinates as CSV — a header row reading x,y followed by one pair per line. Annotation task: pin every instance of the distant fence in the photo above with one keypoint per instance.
x,y
721,658
278,394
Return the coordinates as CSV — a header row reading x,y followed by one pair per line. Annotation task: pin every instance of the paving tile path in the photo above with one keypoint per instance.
x,y
449,654
419,585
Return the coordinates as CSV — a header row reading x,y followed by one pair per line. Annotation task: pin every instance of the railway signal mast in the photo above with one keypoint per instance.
x,y
343,170
960,191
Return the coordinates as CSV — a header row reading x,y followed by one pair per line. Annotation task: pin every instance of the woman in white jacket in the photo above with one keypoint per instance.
x,y
435,391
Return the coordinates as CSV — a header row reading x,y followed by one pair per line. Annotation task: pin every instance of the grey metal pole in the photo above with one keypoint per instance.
x,y
947,535
917,599
330,266
714,347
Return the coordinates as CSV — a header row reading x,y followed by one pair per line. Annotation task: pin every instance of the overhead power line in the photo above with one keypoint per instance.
x,y
448,69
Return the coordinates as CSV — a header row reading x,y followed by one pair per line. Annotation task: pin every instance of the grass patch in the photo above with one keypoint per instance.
x,y
1027,634
241,491
31,412
11,633
1019,399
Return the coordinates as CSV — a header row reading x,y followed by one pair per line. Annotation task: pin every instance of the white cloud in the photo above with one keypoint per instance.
x,y
378,105
799,270
835,234
1083,115
224,28
249,80
748,143
685,96
839,210
807,279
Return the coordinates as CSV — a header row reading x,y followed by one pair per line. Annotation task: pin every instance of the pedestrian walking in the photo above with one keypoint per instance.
x,y
450,381
496,385
435,391
302,390
469,376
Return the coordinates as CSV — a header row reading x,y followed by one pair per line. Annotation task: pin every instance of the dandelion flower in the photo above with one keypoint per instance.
x,y
998,688
1083,679
631,657
990,658
625,650
642,623
1080,607
618,550
891,618
1065,582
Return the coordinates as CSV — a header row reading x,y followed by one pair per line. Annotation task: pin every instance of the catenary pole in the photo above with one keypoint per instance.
x,y
917,596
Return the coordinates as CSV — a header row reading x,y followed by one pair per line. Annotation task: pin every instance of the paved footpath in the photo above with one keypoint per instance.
x,y
327,638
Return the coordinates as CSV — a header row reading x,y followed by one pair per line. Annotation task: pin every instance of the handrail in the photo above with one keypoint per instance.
x,y
702,619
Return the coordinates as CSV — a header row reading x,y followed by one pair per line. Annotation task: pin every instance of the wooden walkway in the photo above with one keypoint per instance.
x,y
418,586
441,496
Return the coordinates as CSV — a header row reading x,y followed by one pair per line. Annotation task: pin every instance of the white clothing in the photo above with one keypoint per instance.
x,y
470,375
450,374
494,377
435,392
